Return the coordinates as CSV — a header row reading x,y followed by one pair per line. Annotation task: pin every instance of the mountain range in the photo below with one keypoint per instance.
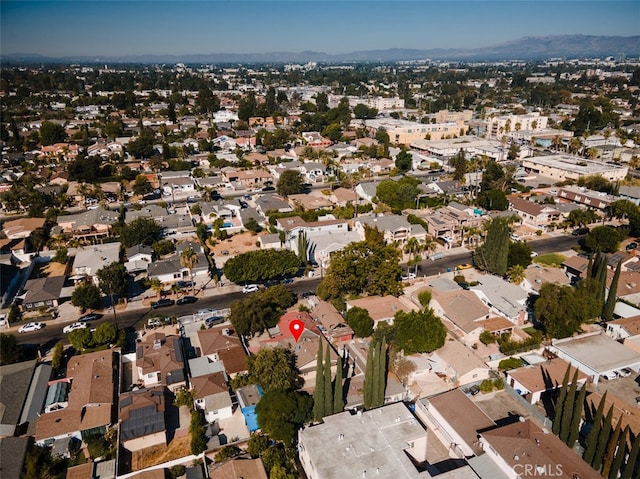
x,y
527,48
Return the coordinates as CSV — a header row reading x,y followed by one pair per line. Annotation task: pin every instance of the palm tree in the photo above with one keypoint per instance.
x,y
413,247
83,190
188,259
516,274
156,285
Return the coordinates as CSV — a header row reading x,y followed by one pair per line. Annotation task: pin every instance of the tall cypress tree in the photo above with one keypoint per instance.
x,y
611,448
602,279
375,374
318,393
338,402
592,438
610,304
328,392
620,455
567,409
631,460
578,407
381,373
603,439
557,419
368,378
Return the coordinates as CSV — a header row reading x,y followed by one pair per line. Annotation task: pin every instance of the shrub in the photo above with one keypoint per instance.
x,y
424,297
459,278
227,452
177,471
498,383
487,338
486,386
510,363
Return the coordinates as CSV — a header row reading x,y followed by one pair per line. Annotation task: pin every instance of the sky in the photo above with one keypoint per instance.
x,y
59,28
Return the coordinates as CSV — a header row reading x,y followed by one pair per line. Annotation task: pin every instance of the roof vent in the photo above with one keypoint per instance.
x,y
157,344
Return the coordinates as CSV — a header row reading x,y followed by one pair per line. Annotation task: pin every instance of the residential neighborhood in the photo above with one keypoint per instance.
x,y
245,272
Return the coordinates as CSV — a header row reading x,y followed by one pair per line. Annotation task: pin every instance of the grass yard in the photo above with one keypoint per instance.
x,y
553,259
177,448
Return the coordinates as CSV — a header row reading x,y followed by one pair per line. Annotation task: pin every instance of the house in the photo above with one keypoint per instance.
x,y
219,344
248,179
270,241
367,190
313,172
13,451
575,266
321,245
90,225
523,446
381,308
462,312
142,420
22,227
268,203
90,259
533,381
536,275
394,227
343,196
386,443
623,328
503,298
458,363
15,251
138,258
91,396
15,380
171,269
596,354
622,411
240,468
294,225
160,361
310,202
460,430
42,292
211,395
332,324
532,213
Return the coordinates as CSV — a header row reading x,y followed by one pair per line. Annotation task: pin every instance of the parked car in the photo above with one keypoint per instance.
x,y
580,231
624,372
89,317
187,300
611,375
213,320
31,327
631,246
287,281
436,256
158,321
464,266
408,276
514,237
185,284
72,327
163,303
250,288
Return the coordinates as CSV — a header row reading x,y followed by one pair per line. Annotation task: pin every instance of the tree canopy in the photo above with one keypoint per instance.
x,y
604,238
274,368
260,310
291,182
493,254
281,413
51,133
364,267
86,296
10,350
261,265
398,195
418,331
360,321
140,231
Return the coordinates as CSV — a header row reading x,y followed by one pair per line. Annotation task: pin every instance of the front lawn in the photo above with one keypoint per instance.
x,y
552,259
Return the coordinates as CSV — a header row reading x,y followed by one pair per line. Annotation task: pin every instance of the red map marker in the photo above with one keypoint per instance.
x,y
296,327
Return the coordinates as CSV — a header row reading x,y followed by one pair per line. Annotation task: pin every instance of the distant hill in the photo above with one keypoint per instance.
x,y
528,48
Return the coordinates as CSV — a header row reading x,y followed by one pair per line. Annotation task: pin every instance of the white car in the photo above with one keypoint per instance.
x,y
515,237
408,276
72,327
250,288
30,327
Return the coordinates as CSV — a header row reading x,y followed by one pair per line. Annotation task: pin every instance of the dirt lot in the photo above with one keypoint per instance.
x,y
236,244
179,447
499,405
48,269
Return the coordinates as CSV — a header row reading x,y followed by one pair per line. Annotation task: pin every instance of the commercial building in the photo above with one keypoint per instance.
x,y
567,167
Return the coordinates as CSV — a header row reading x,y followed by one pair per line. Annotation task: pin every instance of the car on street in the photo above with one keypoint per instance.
x,y
514,237
287,281
162,303
185,284
72,327
250,288
89,317
631,246
187,300
34,326
408,276
464,266
580,232
533,254
159,321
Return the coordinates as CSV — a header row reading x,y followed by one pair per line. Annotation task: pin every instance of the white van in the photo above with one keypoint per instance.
x,y
438,255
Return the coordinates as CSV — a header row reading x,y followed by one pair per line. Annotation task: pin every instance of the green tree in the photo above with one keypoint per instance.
x,y
603,238
189,259
582,217
142,145
10,350
197,431
80,338
460,165
494,253
559,411
620,454
318,392
140,231
338,401
603,440
404,161
516,274
112,280
610,304
592,437
418,331
398,195
576,417
184,397
281,413
362,267
274,369
493,199
105,333
368,389
360,321
290,182
86,296
328,391
261,265
141,186
607,461
51,133
629,468
58,354
303,247
260,310
519,254
257,444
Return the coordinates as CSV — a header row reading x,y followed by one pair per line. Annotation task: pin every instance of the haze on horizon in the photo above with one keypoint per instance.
x,y
62,28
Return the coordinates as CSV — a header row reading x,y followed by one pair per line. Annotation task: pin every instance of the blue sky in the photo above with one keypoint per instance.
x,y
94,28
